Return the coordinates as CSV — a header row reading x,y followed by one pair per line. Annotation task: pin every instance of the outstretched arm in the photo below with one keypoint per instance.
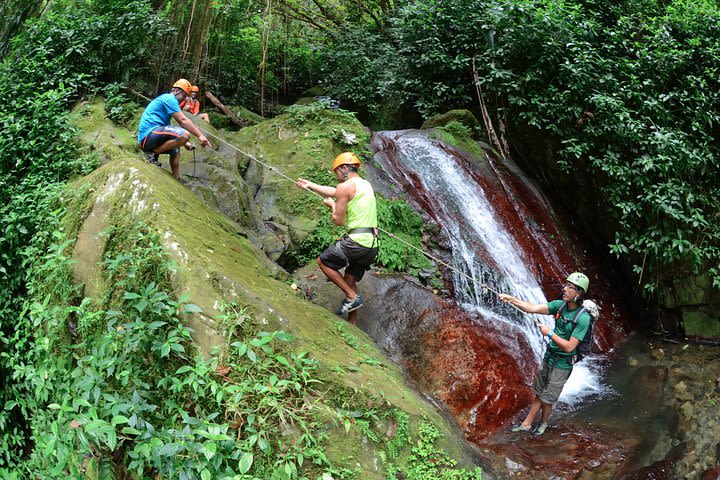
x,y
185,123
321,189
525,306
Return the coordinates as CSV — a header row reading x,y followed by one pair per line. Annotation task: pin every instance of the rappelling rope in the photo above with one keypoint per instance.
x,y
484,286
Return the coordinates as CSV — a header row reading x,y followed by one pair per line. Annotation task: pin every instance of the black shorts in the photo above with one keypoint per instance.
x,y
160,135
347,253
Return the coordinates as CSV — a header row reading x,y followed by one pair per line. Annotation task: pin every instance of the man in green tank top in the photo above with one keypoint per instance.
x,y
352,204
564,339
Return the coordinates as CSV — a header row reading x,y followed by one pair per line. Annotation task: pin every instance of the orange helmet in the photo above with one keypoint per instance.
x,y
183,85
347,158
194,88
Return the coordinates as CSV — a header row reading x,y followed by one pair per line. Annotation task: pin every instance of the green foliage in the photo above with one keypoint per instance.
x,y
396,217
120,109
427,462
290,58
137,393
55,60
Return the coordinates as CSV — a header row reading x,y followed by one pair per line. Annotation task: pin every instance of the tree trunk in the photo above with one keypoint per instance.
x,y
225,110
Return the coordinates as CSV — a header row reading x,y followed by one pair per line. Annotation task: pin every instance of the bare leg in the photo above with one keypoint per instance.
x,y
534,409
335,277
546,409
175,165
350,280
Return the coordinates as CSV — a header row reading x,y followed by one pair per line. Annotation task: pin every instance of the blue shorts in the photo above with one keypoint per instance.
x,y
160,135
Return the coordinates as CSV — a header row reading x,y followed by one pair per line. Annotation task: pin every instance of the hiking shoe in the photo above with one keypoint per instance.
x,y
348,306
540,429
153,158
519,427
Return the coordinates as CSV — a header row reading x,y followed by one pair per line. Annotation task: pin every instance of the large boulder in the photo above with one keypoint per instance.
x,y
217,265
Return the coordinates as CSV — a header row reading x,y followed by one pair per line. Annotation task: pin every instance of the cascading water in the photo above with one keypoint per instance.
x,y
482,247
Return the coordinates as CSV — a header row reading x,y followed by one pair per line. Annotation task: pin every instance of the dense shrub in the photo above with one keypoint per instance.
x,y
55,61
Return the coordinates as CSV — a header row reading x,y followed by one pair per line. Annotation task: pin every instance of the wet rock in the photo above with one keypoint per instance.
x,y
712,473
658,354
681,392
566,450
687,410
463,361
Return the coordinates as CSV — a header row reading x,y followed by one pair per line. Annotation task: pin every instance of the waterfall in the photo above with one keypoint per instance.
x,y
482,246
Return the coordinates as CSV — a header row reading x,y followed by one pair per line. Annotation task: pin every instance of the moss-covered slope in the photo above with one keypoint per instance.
x,y
216,265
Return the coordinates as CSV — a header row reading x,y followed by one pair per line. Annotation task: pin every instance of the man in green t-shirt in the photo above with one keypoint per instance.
x,y
559,356
353,205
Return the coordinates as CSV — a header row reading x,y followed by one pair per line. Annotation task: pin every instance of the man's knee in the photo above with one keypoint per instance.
x,y
184,138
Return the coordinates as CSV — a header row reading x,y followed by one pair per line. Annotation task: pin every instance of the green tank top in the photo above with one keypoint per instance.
x,y
362,212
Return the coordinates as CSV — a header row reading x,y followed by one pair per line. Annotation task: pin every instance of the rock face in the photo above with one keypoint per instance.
x,y
219,263
469,363
696,302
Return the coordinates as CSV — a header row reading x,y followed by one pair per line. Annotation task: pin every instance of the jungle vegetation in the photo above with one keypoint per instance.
x,y
626,94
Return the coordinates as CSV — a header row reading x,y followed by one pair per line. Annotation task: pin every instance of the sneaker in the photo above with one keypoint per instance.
x,y
519,427
348,306
153,158
540,429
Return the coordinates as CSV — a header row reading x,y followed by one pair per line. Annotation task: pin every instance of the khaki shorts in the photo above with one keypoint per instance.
x,y
550,382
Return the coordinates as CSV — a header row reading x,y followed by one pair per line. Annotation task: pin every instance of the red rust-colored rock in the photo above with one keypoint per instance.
x,y
469,363
712,474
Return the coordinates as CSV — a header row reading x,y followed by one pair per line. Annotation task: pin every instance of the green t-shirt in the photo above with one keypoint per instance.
x,y
564,329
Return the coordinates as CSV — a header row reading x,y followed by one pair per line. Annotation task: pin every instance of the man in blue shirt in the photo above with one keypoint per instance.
x,y
560,355
156,135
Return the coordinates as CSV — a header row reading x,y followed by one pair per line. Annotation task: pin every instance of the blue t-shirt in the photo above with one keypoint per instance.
x,y
157,114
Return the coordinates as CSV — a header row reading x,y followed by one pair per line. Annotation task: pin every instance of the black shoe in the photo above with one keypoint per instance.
x,y
347,306
153,158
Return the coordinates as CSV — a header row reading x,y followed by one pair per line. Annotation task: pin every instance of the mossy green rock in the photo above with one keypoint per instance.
x,y
315,91
462,116
217,264
289,147
696,299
